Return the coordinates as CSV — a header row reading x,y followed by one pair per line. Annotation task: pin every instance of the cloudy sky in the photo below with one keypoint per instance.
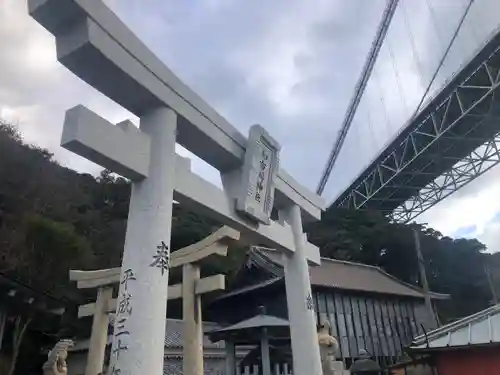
x,y
289,65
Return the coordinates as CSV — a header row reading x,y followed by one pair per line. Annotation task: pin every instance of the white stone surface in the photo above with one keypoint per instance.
x,y
99,48
339,369
192,362
89,135
141,350
304,338
99,332
96,46
96,139
258,176
338,365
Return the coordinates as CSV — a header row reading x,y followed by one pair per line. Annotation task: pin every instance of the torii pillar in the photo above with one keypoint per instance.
x,y
143,288
190,258
143,291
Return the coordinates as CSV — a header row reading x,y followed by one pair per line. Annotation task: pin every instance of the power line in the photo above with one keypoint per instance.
x,y
389,11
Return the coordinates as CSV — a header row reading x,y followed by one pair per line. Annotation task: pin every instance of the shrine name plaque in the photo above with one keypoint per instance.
x,y
260,167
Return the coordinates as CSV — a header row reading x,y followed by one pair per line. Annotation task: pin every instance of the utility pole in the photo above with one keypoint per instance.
x,y
423,275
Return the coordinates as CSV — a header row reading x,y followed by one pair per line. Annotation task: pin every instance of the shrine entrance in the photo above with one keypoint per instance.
x,y
98,47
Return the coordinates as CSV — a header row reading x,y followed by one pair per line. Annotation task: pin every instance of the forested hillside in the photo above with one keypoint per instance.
x,y
53,219
454,266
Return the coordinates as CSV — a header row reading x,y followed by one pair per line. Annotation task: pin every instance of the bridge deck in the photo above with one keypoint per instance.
x,y
453,140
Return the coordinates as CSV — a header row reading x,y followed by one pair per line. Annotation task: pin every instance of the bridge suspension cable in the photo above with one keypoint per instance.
x,y
443,58
389,11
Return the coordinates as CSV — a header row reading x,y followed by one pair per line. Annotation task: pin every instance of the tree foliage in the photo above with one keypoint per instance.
x,y
453,266
53,219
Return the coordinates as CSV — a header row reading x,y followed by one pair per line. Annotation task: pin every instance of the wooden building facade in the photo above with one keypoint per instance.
x,y
366,307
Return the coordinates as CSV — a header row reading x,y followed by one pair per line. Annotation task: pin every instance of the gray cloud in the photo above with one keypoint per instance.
x,y
223,56
288,65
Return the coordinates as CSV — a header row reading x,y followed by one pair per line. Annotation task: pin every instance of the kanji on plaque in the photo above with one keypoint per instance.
x,y
261,175
259,170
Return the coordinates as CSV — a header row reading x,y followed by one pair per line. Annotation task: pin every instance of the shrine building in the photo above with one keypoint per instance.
x,y
367,308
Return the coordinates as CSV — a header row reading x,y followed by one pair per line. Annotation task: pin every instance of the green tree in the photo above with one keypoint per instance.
x,y
453,266
49,212
50,250
53,248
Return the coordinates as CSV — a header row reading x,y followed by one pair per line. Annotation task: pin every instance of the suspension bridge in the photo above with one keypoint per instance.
x,y
451,133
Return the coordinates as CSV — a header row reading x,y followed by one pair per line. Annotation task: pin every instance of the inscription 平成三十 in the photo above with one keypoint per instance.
x,y
123,311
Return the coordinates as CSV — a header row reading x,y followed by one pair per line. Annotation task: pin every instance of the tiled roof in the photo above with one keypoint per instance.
x,y
173,337
243,333
352,276
482,328
257,321
249,288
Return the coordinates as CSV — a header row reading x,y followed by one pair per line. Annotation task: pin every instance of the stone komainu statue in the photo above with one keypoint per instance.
x,y
56,362
328,347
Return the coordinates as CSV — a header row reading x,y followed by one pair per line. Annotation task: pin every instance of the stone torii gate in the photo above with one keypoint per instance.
x,y
96,46
190,290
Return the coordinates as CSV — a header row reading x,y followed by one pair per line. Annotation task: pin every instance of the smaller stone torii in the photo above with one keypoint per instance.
x,y
190,290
